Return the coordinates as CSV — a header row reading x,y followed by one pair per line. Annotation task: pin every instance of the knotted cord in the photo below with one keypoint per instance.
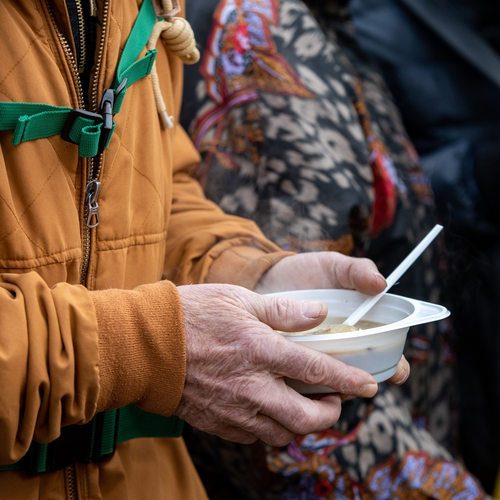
x,y
179,38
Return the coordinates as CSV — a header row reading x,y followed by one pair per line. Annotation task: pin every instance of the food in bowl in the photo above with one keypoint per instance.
x,y
334,325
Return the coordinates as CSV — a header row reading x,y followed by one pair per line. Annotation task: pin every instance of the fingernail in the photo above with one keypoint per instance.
x,y
379,276
313,309
368,390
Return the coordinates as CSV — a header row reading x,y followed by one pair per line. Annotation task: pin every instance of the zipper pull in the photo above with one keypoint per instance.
x,y
91,194
93,8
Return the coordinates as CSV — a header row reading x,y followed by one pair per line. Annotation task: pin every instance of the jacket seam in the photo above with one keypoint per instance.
x,y
48,255
38,266
18,219
117,23
160,238
18,226
141,173
36,33
7,95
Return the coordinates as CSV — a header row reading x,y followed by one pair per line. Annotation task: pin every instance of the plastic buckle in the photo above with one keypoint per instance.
x,y
73,445
73,115
77,443
106,111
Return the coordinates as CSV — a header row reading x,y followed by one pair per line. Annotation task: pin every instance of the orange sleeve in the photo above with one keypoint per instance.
x,y
204,244
45,334
141,347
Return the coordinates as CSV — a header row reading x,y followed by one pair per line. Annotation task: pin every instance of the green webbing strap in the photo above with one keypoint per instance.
x,y
11,111
135,423
135,44
138,38
40,459
118,426
31,121
107,438
37,121
134,72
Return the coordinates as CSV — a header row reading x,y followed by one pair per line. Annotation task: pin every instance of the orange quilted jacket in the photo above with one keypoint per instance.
x,y
76,334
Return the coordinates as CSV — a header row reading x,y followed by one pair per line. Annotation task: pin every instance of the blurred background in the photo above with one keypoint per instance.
x,y
355,126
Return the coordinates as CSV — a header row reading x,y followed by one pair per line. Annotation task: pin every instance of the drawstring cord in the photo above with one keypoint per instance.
x,y
179,37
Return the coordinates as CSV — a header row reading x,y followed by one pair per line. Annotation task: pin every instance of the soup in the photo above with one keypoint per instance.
x,y
334,325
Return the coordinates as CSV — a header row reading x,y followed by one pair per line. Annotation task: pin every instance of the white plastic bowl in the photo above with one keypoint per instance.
x,y
375,350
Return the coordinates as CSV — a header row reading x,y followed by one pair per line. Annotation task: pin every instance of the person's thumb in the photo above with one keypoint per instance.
x,y
289,315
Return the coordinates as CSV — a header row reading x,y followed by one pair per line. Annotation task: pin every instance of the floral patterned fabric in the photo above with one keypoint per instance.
x,y
298,133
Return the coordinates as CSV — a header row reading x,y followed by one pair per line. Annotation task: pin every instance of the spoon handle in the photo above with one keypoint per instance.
x,y
394,276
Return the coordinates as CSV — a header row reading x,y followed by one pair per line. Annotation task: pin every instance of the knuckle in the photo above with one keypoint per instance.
x,y
366,262
316,369
303,422
245,393
260,355
282,308
349,382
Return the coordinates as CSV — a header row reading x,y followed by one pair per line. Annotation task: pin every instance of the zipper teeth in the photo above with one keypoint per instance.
x,y
83,38
100,52
72,483
69,56
90,174
81,104
86,245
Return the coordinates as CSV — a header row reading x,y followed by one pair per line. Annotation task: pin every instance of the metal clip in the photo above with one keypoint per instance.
x,y
91,195
93,8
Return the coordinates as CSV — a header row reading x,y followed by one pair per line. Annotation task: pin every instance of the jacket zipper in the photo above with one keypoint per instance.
x,y
75,74
93,185
72,490
68,54
92,188
82,60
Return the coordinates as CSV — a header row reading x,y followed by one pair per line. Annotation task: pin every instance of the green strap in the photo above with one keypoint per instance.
x,y
31,121
33,125
41,461
38,121
128,67
134,72
135,423
123,425
137,40
10,112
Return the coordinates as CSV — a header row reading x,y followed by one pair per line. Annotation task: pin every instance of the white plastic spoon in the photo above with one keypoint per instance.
x,y
394,276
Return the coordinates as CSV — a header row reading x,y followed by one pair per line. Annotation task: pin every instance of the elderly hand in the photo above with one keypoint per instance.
x,y
317,270
236,363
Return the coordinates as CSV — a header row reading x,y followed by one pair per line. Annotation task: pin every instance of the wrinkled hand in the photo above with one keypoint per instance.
x,y
236,363
318,270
